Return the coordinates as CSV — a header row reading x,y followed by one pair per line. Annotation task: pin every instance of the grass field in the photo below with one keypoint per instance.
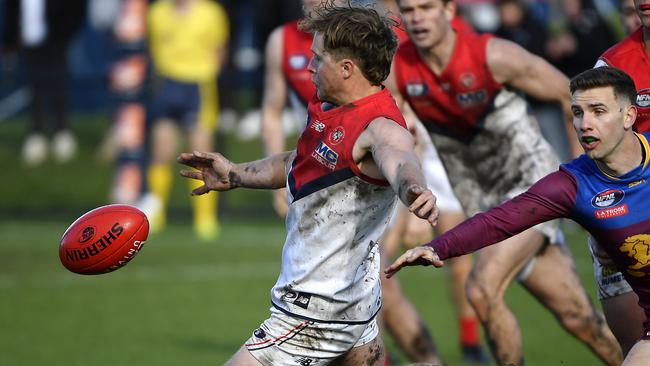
x,y
179,302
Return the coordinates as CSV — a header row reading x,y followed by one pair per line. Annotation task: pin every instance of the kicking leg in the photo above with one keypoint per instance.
x,y
555,283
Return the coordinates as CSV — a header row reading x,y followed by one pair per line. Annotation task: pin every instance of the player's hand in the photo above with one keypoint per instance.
x,y
420,256
211,168
280,202
423,203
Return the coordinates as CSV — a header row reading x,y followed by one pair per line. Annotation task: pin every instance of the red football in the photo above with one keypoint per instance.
x,y
103,239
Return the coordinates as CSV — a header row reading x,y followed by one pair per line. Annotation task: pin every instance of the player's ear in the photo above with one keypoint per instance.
x,y
347,66
629,116
450,9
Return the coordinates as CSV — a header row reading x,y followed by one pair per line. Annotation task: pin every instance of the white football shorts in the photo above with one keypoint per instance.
x,y
609,280
284,340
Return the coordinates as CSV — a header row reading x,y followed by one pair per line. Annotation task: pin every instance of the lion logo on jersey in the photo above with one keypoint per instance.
x,y
637,247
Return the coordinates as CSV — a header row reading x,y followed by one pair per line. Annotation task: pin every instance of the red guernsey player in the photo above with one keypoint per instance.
x,y
352,159
605,191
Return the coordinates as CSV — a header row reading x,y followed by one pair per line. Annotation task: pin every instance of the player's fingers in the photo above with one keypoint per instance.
x,y
201,190
192,174
433,218
187,159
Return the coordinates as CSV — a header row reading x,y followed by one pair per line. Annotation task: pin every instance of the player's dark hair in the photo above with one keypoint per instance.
x,y
359,33
605,76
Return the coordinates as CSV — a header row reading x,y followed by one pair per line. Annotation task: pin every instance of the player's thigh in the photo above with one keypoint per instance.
x,y
639,354
554,281
625,318
243,358
496,265
371,354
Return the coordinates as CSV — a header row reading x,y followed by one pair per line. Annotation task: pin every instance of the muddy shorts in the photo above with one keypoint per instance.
x,y
284,340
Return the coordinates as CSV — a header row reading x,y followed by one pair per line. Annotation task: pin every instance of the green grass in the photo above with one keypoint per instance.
x,y
179,302
182,302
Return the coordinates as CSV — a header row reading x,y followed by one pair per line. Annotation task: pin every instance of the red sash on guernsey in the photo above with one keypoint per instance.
x,y
324,151
630,56
456,100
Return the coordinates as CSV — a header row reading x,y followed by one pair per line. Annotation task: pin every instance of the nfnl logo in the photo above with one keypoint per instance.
x,y
416,89
325,155
298,61
643,98
472,98
607,198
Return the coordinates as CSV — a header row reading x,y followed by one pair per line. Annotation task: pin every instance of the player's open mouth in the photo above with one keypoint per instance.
x,y
589,142
644,7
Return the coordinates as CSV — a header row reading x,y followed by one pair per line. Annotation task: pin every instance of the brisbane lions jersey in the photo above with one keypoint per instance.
x,y
456,101
614,210
630,56
330,260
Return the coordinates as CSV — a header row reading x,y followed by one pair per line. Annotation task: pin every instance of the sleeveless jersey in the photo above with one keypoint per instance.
x,y
455,101
330,260
630,56
296,53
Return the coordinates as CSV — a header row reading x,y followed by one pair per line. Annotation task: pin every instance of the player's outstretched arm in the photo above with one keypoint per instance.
x,y
220,174
513,65
419,256
391,147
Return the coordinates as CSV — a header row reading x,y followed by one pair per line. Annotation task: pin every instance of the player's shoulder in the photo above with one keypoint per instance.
x,y
581,165
620,50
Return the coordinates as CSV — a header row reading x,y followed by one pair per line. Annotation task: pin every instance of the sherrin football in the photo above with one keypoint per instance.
x,y
104,239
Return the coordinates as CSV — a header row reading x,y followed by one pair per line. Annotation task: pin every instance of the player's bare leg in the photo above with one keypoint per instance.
x,y
494,269
625,318
459,269
371,354
397,314
555,283
242,358
639,354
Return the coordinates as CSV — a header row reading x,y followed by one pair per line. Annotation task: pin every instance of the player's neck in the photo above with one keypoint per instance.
x,y
646,39
354,93
438,56
626,157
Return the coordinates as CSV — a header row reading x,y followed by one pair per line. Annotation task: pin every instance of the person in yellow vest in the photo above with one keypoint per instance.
x,y
188,40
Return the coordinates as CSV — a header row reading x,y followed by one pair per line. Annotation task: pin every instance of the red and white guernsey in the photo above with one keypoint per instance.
x,y
330,260
488,140
455,101
630,56
296,53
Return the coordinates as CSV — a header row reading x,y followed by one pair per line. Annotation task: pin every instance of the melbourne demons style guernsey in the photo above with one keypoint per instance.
x,y
330,260
630,56
296,53
487,139
614,210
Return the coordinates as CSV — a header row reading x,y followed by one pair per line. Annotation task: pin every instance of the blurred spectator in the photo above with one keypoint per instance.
x,y
584,36
42,30
520,26
188,40
631,19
